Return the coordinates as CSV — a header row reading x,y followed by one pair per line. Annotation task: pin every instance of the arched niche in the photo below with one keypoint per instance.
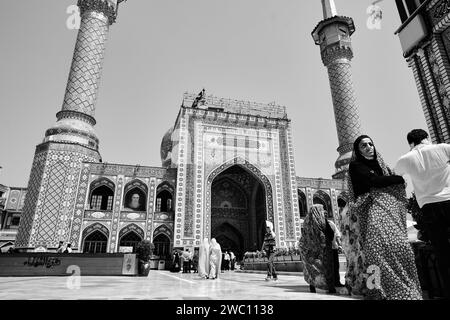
x,y
101,194
95,239
162,245
164,198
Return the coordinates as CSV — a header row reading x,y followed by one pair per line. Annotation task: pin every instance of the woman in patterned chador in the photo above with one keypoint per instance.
x,y
316,250
377,200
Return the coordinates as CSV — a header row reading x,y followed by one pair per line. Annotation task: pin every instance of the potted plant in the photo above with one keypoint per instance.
x,y
144,250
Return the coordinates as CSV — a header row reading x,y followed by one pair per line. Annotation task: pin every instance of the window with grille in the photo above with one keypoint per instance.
x,y
96,242
162,245
164,201
158,204
131,239
102,198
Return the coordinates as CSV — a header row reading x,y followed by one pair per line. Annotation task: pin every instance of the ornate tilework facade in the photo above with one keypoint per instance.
x,y
427,52
333,36
210,143
72,194
213,139
52,194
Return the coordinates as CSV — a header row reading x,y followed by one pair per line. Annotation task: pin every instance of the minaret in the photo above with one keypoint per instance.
x,y
49,204
332,34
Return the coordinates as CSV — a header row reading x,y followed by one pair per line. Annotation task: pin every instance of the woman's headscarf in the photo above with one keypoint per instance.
x,y
215,244
217,250
270,226
313,246
377,164
316,219
372,163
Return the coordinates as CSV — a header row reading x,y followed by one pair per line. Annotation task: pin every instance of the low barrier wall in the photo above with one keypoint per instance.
x,y
63,264
290,266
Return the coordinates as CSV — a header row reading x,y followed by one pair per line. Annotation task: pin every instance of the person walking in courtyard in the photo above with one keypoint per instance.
x,y
336,246
227,261
186,255
215,259
428,167
175,261
378,199
203,259
195,261
316,250
269,248
232,260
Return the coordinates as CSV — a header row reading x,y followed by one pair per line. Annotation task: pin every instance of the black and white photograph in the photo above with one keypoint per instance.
x,y
231,157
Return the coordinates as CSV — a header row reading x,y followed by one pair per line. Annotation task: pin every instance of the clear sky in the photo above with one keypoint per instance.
x,y
255,50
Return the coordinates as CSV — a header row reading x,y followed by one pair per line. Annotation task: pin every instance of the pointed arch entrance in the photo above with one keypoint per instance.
x,y
239,200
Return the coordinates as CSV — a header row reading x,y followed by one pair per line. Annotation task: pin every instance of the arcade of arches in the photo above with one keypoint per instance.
x,y
238,210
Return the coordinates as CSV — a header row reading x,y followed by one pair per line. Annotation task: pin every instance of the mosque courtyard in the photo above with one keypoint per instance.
x,y
163,285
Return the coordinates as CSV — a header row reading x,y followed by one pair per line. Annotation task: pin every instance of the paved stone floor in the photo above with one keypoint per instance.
x,y
163,285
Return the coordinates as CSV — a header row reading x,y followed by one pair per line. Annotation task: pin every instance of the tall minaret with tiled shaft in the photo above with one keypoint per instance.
x,y
49,204
332,34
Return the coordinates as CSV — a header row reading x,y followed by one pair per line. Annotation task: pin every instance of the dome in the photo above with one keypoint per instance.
x,y
166,148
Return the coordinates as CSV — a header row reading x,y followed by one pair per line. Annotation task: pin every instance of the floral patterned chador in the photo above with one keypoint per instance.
x,y
381,262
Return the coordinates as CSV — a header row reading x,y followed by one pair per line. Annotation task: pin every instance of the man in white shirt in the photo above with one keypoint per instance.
x,y
428,166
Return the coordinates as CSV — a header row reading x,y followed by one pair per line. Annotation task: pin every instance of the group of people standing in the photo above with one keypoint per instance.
x,y
380,260
229,260
208,261
184,261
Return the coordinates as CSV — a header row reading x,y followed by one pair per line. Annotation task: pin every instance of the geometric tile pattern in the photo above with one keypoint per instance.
x,y
77,216
286,186
116,213
293,185
150,211
278,204
211,141
333,36
199,194
30,207
441,71
58,194
414,63
344,102
190,183
47,224
181,178
52,189
85,72
431,93
431,70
